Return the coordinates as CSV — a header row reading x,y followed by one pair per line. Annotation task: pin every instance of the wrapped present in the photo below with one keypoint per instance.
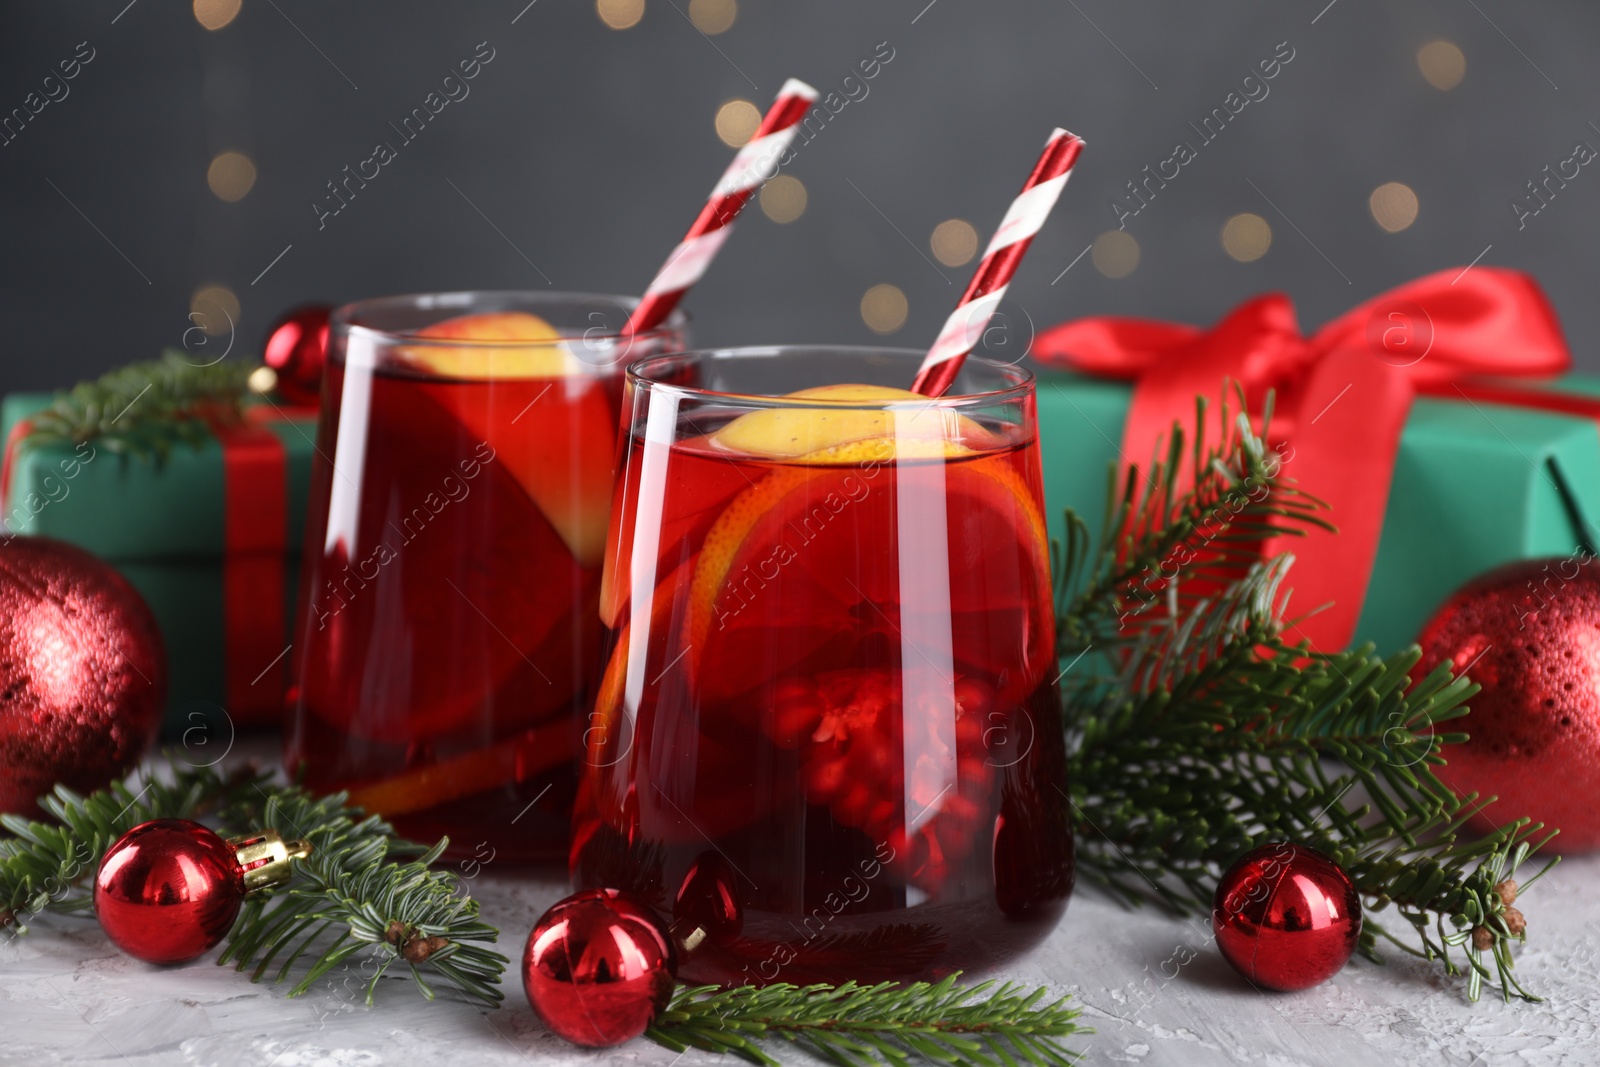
x,y
1438,421
201,506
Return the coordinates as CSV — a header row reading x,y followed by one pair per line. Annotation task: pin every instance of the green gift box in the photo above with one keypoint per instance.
x,y
209,534
1476,484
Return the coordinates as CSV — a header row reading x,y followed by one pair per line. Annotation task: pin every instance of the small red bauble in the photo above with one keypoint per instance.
x,y
297,351
170,889
83,678
1529,634
1286,917
599,967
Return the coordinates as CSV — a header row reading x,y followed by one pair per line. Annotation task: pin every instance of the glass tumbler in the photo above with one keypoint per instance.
x,y
827,740
448,629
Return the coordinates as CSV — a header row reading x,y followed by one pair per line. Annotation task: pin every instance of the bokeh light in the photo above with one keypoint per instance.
x,y
954,242
1442,63
215,14
783,199
214,309
231,176
712,17
262,380
884,308
737,121
1246,237
620,14
1394,206
1116,254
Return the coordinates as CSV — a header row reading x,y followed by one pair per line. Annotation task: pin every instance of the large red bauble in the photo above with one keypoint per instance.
x,y
1529,634
599,967
297,350
82,674
168,890
1286,917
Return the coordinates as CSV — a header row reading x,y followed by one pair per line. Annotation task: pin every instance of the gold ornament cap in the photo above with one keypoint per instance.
x,y
264,858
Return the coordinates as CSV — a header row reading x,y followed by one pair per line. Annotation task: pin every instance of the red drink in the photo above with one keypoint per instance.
x,y
448,640
827,732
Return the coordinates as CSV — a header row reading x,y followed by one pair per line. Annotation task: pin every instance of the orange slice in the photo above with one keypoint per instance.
x,y
550,423
809,434
443,607
601,733
803,528
515,759
493,355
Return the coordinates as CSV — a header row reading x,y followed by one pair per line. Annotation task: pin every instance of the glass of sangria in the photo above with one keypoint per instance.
x,y
826,740
448,629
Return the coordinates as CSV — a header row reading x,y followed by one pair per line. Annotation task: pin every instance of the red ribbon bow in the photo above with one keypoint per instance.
x,y
1342,396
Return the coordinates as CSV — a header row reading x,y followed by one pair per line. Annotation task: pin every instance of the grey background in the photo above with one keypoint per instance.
x,y
589,150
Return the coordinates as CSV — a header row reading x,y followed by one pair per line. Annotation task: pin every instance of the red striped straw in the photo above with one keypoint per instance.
x,y
988,286
756,162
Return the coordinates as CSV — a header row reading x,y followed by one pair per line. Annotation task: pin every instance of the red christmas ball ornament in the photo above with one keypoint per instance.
x,y
170,889
83,678
297,350
1286,917
1529,634
599,967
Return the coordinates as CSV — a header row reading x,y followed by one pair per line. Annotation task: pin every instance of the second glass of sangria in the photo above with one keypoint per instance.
x,y
826,738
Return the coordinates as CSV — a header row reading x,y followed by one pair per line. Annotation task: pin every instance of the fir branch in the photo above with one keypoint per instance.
x,y
352,897
144,409
362,890
880,1024
43,865
1202,731
1202,520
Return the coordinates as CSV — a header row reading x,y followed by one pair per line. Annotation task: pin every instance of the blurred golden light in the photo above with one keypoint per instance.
x,y
214,309
737,121
1116,254
1246,237
954,242
262,380
1394,206
883,308
712,17
620,14
215,14
1442,63
231,175
783,199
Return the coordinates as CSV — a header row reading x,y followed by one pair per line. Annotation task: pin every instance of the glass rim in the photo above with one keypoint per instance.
x,y
340,320
1024,380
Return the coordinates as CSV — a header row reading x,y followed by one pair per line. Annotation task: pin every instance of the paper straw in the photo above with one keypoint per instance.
x,y
988,286
756,162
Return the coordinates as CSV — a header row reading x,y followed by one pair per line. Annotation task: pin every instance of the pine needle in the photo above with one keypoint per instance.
x,y
362,890
1200,731
980,1025
144,409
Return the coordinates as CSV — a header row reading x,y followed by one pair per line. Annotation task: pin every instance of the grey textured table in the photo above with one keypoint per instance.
x,y
1154,988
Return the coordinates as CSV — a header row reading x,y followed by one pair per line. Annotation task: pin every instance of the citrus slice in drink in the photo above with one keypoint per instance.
x,y
822,431
480,578
918,537
838,415
552,421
